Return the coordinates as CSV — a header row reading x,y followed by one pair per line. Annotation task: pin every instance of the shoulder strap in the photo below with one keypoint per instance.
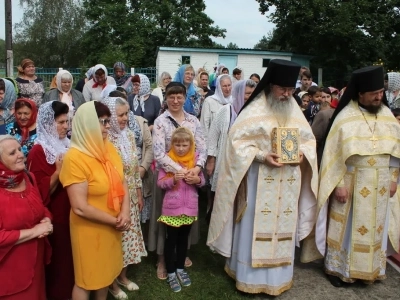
x,y
174,122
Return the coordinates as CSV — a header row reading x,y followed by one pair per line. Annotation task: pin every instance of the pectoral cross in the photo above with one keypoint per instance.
x,y
373,140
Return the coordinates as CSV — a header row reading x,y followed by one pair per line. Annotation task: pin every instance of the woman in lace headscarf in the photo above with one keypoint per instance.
x,y
141,102
392,93
124,141
44,161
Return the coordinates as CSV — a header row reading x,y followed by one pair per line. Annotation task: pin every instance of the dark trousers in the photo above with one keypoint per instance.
x,y
176,241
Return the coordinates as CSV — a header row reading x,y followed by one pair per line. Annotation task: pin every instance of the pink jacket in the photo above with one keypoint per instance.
x,y
180,198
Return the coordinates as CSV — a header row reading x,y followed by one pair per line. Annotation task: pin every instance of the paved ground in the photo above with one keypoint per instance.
x,y
311,283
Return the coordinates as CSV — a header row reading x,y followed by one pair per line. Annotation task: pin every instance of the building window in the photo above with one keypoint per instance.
x,y
265,62
185,60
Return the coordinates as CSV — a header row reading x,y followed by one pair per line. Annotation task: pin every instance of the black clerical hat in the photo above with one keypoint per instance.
x,y
367,79
280,72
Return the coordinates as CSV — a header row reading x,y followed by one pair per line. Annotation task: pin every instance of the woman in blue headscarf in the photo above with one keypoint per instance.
x,y
185,75
7,99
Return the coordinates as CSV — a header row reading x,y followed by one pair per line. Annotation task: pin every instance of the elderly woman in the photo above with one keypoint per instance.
x,y
393,91
24,127
81,82
25,223
64,92
141,102
223,120
93,88
175,116
163,81
185,75
44,161
124,141
7,99
213,103
92,173
29,85
121,78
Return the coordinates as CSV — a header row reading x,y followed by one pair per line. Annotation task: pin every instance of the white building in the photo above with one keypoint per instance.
x,y
251,61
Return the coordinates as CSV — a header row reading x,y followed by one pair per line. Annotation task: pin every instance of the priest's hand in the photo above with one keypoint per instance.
x,y
341,194
393,188
270,160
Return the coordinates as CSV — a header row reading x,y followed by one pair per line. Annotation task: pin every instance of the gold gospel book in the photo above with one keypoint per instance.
x,y
285,143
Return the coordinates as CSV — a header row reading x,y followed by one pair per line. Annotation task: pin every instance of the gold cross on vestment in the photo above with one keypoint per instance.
x,y
373,140
291,179
288,211
269,179
266,211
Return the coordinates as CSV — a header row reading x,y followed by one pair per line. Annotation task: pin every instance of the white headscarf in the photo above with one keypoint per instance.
x,y
107,90
218,95
393,85
117,136
144,90
47,135
98,67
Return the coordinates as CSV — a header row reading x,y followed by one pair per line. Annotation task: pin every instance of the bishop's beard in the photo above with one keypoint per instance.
x,y
281,107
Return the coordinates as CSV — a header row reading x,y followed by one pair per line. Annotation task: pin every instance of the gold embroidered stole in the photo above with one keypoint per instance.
x,y
368,183
276,214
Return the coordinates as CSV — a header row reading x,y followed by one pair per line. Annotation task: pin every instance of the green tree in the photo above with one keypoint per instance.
x,y
137,28
51,32
3,52
232,46
265,43
342,35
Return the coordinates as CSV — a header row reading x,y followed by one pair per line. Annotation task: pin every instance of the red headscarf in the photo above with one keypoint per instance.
x,y
9,179
25,129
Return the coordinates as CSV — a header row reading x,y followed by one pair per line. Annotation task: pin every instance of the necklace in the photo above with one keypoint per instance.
x,y
373,139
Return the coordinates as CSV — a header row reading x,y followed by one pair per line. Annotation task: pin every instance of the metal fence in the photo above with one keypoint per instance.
x,y
47,74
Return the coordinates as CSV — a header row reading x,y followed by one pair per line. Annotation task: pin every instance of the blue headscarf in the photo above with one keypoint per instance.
x,y
190,90
9,98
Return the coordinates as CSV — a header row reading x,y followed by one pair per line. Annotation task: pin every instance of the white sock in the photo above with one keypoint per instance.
x,y
179,270
171,275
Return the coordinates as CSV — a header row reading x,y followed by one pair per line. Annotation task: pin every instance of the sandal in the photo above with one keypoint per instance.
x,y
174,284
188,262
161,272
131,286
121,295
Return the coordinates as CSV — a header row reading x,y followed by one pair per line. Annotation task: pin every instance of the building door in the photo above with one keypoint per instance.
x,y
230,61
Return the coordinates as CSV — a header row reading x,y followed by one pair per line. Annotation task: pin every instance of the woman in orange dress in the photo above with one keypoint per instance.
x,y
92,173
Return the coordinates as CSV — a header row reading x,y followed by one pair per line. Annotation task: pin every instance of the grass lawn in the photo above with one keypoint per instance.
x,y
209,280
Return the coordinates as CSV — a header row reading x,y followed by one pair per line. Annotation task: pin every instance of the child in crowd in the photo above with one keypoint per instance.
x,y
180,206
396,113
314,105
305,99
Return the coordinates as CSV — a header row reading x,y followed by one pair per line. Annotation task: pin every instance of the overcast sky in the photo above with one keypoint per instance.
x,y
244,23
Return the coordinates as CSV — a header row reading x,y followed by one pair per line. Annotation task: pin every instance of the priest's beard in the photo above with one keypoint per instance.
x,y
281,107
372,109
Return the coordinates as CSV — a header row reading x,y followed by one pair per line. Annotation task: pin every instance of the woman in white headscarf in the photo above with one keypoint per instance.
x,y
64,92
213,103
163,81
392,93
7,100
45,161
124,141
93,88
141,102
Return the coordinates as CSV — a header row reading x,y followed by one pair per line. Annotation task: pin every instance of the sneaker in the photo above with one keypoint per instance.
x,y
174,284
184,278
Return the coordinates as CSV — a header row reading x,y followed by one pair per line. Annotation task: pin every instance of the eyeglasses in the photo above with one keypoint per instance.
x,y
285,89
104,122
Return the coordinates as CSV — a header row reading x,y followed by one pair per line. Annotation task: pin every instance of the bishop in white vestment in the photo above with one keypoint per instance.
x,y
263,208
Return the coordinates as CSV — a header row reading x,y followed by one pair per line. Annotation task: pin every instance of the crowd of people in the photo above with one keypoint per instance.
x,y
93,177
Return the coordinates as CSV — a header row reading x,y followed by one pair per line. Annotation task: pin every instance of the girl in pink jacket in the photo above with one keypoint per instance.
x,y
180,205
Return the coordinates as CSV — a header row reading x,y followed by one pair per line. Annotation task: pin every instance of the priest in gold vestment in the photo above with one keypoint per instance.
x,y
358,179
264,208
